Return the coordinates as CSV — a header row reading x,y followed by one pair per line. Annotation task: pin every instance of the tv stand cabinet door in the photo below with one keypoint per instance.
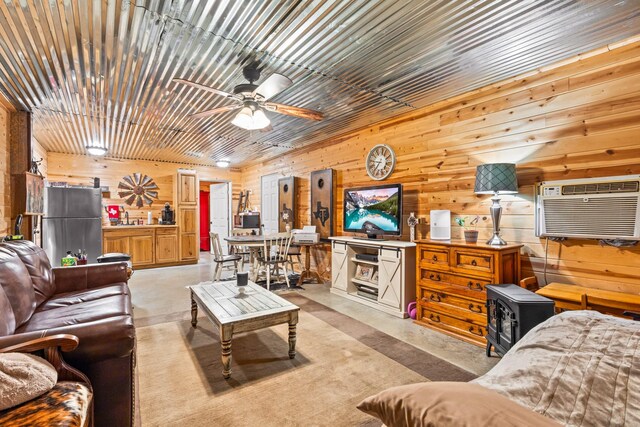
x,y
339,266
390,278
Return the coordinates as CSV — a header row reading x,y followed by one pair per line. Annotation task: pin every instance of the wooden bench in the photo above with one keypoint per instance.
x,y
573,297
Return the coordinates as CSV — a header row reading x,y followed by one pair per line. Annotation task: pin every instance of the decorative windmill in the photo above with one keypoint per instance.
x,y
138,188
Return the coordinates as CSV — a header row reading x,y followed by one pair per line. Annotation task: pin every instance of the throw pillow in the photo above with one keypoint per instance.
x,y
449,404
24,377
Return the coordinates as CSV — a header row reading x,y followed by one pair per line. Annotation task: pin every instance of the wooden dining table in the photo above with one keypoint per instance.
x,y
256,242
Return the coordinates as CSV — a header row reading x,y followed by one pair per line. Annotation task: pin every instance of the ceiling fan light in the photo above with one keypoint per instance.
x,y
96,150
260,119
244,118
223,163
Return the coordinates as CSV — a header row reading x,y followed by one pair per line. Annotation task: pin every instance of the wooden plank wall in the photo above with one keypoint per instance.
x,y
40,153
77,169
573,120
5,175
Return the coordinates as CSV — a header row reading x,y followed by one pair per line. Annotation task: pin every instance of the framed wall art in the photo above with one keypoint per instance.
x,y
322,202
286,204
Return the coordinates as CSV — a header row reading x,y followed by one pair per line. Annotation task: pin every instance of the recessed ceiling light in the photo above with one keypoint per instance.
x,y
223,163
96,150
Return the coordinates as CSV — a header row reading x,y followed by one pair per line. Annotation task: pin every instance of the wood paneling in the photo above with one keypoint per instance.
x,y
572,120
5,175
82,169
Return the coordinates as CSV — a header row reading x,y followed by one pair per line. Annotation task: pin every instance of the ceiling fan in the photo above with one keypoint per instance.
x,y
252,100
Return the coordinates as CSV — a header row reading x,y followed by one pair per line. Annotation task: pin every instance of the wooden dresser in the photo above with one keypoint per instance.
x,y
450,284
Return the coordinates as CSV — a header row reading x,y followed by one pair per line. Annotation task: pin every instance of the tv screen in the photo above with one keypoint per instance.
x,y
373,209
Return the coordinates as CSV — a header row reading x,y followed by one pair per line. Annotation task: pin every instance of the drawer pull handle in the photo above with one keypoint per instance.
x,y
435,258
434,317
475,286
475,308
473,262
478,332
435,298
435,277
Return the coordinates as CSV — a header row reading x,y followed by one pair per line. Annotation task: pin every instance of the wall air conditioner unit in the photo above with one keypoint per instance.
x,y
594,208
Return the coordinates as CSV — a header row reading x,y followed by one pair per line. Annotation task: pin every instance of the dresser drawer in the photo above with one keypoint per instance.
x,y
466,308
434,257
473,262
454,284
449,323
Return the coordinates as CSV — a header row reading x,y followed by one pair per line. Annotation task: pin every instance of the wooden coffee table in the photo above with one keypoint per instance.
x,y
233,312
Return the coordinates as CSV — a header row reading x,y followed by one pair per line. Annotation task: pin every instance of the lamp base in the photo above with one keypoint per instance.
x,y
496,241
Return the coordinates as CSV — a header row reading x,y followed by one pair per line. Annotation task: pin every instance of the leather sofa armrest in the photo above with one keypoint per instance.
x,y
66,342
68,279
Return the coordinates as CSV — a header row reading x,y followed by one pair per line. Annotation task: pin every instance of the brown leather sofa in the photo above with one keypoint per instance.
x,y
91,302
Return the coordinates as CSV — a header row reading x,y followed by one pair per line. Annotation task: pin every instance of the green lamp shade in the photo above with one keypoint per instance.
x,y
496,178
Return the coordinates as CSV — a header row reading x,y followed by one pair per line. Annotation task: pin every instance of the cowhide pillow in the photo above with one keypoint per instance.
x,y
24,377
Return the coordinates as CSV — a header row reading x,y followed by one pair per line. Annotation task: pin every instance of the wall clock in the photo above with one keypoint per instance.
x,y
380,162
137,188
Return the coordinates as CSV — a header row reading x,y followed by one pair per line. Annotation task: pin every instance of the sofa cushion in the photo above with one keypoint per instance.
x,y
79,313
18,288
86,295
7,319
449,404
38,266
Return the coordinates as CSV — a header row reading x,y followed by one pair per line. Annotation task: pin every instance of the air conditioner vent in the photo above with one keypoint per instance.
x,y
610,217
591,208
601,188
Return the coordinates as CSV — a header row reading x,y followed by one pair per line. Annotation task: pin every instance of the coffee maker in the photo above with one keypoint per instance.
x,y
167,215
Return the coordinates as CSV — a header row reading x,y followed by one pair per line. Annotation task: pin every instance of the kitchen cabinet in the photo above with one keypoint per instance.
x,y
187,215
149,245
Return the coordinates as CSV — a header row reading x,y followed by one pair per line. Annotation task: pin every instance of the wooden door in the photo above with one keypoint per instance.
x,y
118,244
166,248
339,266
142,250
188,218
390,277
187,189
188,246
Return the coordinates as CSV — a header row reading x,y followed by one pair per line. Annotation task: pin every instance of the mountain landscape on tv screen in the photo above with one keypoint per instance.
x,y
372,200
372,209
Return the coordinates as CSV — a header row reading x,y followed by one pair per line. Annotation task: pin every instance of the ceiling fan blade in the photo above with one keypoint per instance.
x,y
208,113
274,84
267,129
294,111
207,88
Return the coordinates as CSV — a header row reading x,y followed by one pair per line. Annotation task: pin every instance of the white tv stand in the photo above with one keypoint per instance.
x,y
395,268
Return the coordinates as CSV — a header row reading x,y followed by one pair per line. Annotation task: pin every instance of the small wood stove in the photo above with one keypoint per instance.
x,y
513,311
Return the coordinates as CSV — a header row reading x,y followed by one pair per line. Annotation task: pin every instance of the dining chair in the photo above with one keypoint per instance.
x,y
220,259
274,256
243,251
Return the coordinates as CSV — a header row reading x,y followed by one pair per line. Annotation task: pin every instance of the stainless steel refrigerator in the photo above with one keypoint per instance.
x,y
72,221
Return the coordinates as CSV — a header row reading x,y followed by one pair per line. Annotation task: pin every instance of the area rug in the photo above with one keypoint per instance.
x,y
339,361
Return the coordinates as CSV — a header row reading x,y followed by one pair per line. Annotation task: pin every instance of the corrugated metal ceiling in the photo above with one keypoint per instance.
x,y
100,72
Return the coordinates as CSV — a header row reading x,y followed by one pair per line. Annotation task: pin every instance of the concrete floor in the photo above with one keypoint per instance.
x,y
161,293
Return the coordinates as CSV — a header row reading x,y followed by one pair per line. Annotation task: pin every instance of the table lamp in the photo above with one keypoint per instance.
x,y
496,179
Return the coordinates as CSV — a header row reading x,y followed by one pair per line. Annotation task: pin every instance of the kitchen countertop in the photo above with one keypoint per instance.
x,y
127,227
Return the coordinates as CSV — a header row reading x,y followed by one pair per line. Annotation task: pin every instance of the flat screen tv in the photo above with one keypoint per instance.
x,y
373,210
